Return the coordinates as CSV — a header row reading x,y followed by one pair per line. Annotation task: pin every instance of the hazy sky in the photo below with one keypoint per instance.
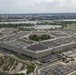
x,y
37,6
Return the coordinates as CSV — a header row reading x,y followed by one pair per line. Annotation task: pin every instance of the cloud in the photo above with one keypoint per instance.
x,y
37,6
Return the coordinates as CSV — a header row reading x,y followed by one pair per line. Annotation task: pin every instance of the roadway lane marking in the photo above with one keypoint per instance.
x,y
46,66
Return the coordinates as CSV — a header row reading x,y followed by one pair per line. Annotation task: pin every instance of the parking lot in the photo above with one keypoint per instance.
x,y
60,69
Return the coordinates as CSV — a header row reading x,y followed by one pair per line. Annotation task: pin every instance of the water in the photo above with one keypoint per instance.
x,y
33,22
44,26
69,20
66,20
47,26
20,22
58,20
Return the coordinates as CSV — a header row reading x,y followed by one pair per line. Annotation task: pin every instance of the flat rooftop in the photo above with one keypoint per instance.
x,y
38,47
58,34
26,41
6,31
34,46
17,35
19,44
59,41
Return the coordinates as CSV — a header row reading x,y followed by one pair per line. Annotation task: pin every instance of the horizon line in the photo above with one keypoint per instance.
x,y
44,13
